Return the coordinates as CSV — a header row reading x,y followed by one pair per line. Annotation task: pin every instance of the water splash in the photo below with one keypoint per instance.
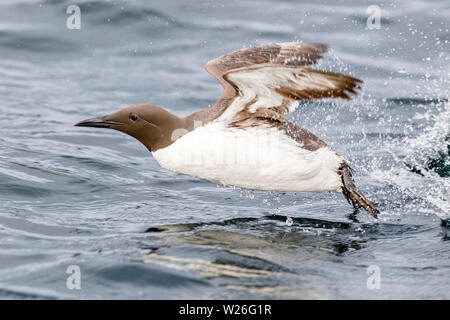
x,y
289,221
419,165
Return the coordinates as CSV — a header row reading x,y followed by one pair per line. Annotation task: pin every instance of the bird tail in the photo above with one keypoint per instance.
x,y
352,194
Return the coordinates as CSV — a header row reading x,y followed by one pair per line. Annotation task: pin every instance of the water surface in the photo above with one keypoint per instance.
x,y
97,199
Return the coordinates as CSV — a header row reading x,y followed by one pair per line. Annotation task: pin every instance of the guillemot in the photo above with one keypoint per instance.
x,y
244,140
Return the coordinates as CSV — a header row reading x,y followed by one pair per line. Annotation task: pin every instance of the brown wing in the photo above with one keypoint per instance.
x,y
271,79
288,54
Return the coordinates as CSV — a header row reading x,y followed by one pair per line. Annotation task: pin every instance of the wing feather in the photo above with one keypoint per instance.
x,y
269,80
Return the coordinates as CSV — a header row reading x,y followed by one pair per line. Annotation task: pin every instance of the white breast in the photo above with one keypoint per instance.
x,y
256,158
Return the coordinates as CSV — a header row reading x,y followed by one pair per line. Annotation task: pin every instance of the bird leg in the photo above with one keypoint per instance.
x,y
352,194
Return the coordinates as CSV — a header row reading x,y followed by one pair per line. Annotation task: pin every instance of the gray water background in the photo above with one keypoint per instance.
x,y
98,200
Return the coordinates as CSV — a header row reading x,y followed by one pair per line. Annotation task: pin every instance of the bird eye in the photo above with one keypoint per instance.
x,y
133,117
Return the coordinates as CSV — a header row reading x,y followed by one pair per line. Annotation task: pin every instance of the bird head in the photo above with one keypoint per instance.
x,y
151,125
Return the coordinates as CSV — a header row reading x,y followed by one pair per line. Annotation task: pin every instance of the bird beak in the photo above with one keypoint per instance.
x,y
97,123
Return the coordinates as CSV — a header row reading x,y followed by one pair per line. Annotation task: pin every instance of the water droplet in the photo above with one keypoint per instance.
x,y
289,221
